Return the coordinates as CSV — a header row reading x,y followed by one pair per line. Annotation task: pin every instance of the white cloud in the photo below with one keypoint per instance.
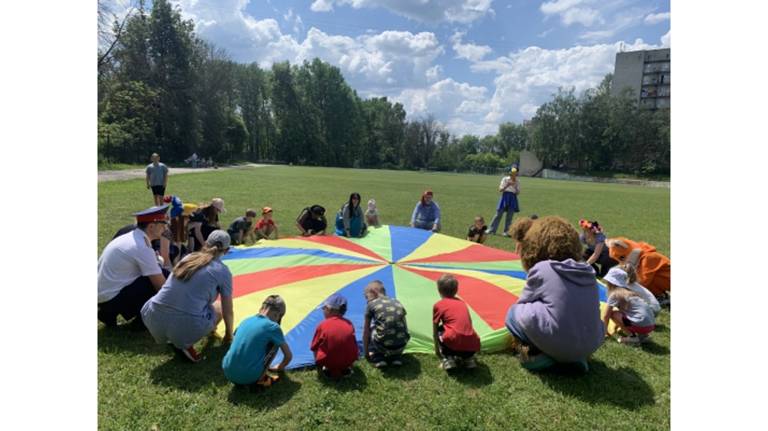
x,y
656,18
432,11
434,73
572,12
527,78
322,6
469,51
618,22
666,40
372,63
459,106
294,20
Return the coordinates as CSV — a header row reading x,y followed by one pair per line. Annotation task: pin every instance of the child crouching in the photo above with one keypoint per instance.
x,y
385,331
455,339
628,311
334,342
255,345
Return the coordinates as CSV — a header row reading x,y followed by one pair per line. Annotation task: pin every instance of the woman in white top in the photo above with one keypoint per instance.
x,y
509,189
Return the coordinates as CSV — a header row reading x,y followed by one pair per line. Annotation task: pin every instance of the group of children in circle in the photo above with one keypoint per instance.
x,y
556,318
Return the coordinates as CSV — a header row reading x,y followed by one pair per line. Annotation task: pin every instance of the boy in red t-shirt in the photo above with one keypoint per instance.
x,y
334,343
455,338
265,228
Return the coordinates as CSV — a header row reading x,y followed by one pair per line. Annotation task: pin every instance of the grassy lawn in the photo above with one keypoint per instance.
x,y
142,386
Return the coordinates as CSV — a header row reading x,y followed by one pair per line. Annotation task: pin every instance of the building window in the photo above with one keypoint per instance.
x,y
663,91
650,79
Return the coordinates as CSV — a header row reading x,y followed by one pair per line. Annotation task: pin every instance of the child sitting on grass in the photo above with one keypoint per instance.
x,y
385,332
265,228
334,342
628,311
477,230
255,345
372,214
638,288
455,339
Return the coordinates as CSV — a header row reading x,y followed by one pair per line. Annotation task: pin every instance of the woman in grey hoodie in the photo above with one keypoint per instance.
x,y
558,312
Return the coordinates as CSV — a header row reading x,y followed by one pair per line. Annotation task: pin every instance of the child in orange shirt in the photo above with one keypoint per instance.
x,y
265,228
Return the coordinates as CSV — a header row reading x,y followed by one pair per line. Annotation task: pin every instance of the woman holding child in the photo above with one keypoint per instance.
x,y
558,312
349,220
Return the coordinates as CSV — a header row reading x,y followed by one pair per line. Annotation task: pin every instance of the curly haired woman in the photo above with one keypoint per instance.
x,y
557,317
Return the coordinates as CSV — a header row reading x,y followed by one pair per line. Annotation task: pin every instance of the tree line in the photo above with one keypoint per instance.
x,y
162,89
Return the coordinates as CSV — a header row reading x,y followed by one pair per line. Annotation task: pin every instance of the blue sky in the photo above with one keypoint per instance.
x,y
471,63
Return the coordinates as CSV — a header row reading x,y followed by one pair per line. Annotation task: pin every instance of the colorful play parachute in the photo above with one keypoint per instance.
x,y
306,270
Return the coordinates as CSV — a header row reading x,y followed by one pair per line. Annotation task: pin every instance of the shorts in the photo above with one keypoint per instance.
x,y
168,325
636,329
158,190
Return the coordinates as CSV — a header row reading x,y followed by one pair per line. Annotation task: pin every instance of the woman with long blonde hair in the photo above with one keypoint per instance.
x,y
185,308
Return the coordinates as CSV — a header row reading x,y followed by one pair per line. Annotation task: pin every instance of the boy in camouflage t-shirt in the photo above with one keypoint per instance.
x,y
385,332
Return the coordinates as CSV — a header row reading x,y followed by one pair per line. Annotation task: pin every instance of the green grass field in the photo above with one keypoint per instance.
x,y
142,386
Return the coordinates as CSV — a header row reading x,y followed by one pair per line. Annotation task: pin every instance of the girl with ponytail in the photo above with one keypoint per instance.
x,y
185,308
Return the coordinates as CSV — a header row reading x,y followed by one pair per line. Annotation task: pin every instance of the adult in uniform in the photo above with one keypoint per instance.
x,y
129,272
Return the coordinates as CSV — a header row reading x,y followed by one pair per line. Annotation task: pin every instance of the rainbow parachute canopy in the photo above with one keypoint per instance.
x,y
306,270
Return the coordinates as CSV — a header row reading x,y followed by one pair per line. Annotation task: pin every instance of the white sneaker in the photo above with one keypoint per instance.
x,y
632,340
448,364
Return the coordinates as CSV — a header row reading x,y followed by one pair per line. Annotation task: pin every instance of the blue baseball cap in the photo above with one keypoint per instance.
x,y
335,302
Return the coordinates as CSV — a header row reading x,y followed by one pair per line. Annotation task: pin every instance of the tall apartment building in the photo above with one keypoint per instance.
x,y
647,73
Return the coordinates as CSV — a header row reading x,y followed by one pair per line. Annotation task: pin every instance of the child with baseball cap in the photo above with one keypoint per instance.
x,y
334,342
265,228
628,311
255,345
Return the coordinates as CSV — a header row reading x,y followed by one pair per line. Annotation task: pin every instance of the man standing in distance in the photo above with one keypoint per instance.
x,y
129,272
157,178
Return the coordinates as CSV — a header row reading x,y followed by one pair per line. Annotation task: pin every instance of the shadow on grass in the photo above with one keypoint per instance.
x,y
123,339
356,382
476,377
654,349
178,373
410,370
622,387
265,398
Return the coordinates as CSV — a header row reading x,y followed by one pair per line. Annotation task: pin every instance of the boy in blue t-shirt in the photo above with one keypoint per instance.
x,y
255,345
